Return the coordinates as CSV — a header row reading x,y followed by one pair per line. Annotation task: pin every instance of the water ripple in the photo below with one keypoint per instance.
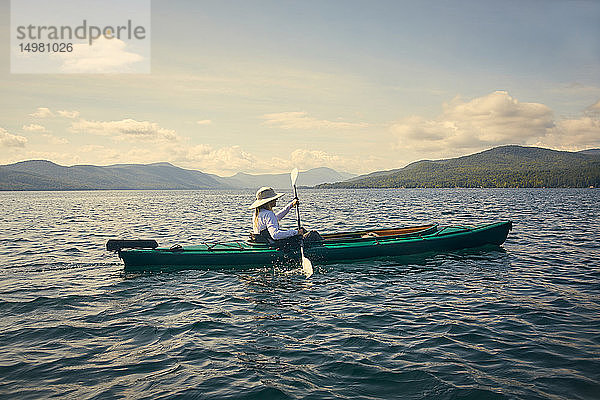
x,y
519,322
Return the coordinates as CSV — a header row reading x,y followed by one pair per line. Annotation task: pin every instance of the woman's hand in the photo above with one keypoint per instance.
x,y
301,231
294,202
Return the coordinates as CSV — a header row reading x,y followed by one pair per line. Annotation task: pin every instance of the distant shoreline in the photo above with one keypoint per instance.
x,y
305,188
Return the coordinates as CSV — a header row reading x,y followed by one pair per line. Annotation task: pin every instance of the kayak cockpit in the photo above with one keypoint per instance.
x,y
386,233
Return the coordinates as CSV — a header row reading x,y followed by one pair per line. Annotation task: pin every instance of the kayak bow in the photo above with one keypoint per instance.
x,y
333,248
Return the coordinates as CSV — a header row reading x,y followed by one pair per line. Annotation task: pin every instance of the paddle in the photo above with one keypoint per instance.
x,y
307,267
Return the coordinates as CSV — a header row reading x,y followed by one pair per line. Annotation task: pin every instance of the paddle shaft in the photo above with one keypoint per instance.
x,y
297,207
306,264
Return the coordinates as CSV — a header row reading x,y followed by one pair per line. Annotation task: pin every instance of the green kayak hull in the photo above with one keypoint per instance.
x,y
243,254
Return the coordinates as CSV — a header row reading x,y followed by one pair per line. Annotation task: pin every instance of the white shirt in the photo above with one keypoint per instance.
x,y
267,219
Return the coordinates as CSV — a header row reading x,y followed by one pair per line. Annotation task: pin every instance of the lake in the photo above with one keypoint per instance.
x,y
520,321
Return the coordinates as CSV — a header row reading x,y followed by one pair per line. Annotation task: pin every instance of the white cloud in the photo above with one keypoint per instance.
x,y
126,129
593,110
574,134
54,139
68,114
42,112
493,120
231,159
45,112
480,123
225,159
104,56
34,128
204,122
9,140
306,159
301,120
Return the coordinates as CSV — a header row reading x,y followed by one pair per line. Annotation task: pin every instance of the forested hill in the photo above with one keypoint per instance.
x,y
46,175
505,166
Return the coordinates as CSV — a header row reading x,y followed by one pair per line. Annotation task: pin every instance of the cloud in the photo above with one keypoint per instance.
x,y
312,158
126,129
204,122
42,112
593,111
34,128
68,114
232,159
574,134
104,56
54,139
45,112
306,159
9,140
301,120
582,130
225,159
483,122
222,160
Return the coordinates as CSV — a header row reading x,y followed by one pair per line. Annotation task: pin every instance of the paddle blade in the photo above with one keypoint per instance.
x,y
294,176
307,267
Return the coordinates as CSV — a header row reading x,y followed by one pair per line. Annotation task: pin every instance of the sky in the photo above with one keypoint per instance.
x,y
265,86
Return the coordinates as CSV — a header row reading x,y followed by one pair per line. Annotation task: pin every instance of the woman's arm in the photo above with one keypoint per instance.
x,y
273,226
283,212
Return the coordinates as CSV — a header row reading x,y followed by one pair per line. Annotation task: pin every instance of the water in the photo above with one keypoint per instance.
x,y
522,322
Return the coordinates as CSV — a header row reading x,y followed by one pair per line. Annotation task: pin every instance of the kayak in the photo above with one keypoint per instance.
x,y
145,255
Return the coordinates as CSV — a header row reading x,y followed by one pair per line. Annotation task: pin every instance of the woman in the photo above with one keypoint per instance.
x,y
265,222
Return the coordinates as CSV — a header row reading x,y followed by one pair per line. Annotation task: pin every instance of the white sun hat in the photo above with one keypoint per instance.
x,y
264,195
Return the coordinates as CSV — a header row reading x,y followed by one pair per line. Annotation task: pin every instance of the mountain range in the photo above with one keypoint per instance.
x,y
46,175
312,177
504,166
